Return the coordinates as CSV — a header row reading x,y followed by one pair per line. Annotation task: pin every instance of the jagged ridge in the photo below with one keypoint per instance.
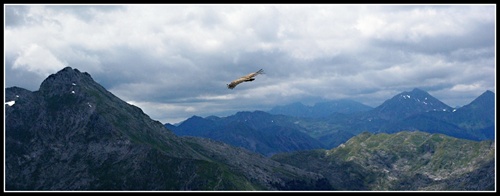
x,y
73,134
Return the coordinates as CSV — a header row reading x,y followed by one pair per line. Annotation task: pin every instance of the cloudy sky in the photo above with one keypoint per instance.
x,y
174,61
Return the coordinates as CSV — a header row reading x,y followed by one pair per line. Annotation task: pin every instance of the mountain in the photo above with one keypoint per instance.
x,y
73,134
414,110
296,109
406,104
477,116
256,131
473,121
402,161
321,109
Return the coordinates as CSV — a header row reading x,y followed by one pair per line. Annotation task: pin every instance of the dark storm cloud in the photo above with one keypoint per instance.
x,y
174,61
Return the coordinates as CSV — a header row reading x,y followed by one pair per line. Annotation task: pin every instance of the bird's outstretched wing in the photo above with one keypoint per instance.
x,y
247,78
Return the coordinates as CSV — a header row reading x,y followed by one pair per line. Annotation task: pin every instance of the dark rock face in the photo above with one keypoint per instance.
x,y
73,134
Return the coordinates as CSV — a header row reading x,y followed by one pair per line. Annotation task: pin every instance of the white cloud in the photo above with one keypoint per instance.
x,y
217,97
420,23
465,87
37,59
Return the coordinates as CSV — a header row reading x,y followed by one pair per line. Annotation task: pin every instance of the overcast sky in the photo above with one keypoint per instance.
x,y
174,61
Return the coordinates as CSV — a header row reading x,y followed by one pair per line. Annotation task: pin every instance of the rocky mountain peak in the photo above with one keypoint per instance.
x,y
487,96
481,104
73,134
417,95
408,103
65,81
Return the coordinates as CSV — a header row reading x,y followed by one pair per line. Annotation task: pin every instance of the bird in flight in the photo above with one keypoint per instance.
x,y
247,78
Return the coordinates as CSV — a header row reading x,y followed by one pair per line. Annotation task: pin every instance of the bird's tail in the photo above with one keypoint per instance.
x,y
261,71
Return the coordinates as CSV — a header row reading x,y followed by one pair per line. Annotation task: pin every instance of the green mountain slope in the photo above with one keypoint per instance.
x,y
402,161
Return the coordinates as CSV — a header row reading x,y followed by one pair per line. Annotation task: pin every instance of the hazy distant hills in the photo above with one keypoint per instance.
x,y
414,110
321,109
256,131
73,135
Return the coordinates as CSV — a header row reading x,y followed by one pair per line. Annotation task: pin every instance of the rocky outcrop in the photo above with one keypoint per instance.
x,y
402,161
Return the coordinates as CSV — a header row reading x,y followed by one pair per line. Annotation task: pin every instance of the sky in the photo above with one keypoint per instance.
x,y
174,60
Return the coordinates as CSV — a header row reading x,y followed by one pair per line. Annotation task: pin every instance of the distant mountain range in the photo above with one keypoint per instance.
x,y
256,131
321,109
74,135
414,110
